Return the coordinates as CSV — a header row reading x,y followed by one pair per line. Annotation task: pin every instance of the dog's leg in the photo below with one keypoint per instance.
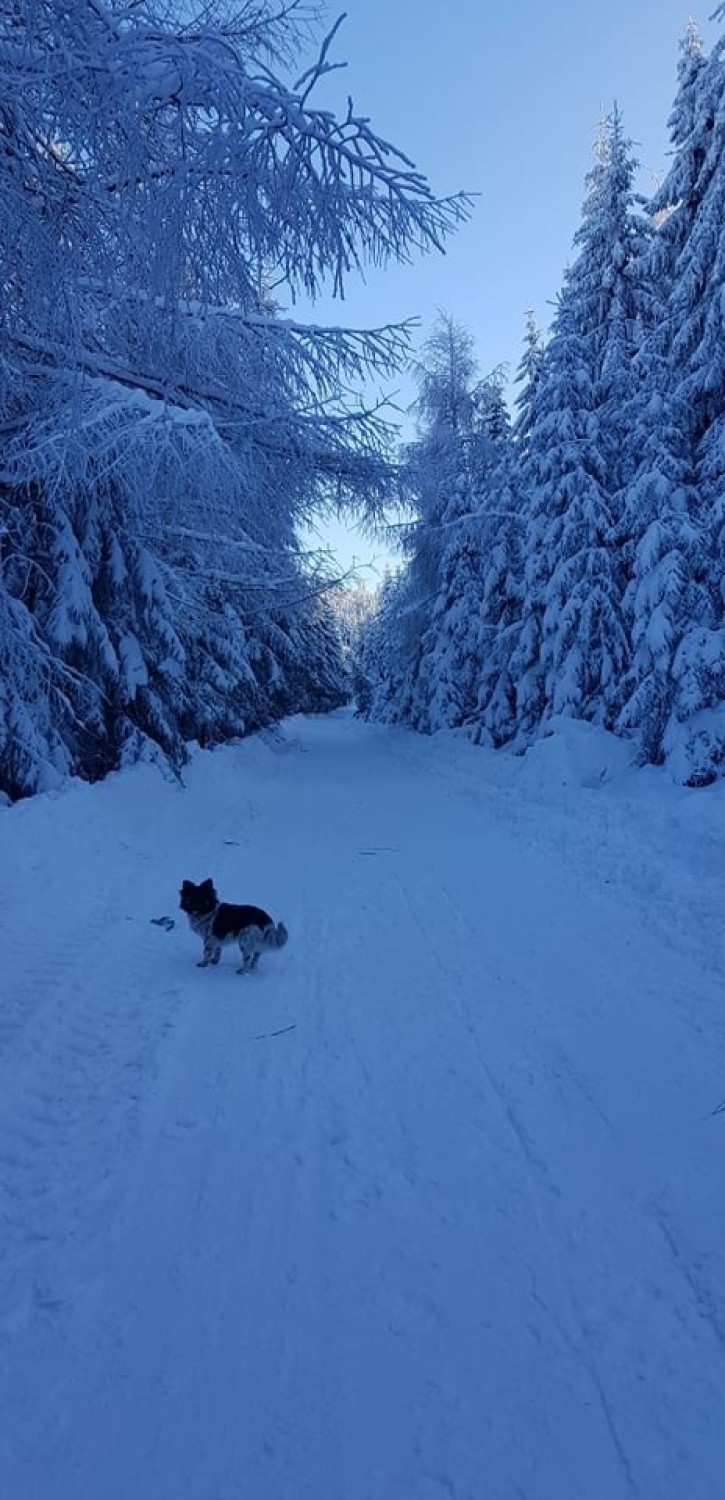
x,y
212,954
247,953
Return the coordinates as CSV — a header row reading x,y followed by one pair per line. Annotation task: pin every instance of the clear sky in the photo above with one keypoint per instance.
x,y
502,100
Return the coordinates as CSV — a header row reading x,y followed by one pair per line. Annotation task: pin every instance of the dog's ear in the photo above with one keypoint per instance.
x,y
207,885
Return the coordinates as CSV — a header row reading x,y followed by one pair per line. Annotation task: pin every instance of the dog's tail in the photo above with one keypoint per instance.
x,y
276,935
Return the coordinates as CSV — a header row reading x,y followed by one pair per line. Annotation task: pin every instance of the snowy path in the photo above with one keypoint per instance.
x,y
458,1233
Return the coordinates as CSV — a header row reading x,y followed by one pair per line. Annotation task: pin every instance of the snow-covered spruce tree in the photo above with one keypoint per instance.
x,y
693,739
445,619
572,652
380,666
469,612
505,519
437,484
32,702
499,611
528,377
365,668
164,429
558,658
450,654
352,606
661,527
328,679
301,663
609,282
674,205
665,592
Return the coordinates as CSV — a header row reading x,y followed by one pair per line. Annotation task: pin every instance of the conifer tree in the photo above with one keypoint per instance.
x,y
471,607
528,377
438,484
674,602
571,655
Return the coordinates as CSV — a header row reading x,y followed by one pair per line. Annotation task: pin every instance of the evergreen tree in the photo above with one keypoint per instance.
x,y
463,664
352,606
379,663
528,376
673,504
571,655
663,593
438,484
502,573
571,643
33,704
328,679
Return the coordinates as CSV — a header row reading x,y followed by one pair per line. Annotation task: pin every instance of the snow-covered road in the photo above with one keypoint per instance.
x,y
431,1207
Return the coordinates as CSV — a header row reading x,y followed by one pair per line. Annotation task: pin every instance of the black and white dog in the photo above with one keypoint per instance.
x,y
219,922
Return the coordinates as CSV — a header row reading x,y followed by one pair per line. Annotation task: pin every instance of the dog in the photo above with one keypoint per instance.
x,y
219,922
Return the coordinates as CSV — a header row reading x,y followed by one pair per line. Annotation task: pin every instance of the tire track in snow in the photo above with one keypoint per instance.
x,y
701,1295
209,1241
627,1337
83,1045
69,1112
537,1171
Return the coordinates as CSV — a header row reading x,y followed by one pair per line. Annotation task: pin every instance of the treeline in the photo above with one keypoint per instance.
x,y
572,561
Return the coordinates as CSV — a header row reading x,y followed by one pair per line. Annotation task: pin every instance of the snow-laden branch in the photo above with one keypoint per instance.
x,y
137,114
164,430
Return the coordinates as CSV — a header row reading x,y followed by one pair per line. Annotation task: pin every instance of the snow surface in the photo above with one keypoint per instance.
x,y
458,1233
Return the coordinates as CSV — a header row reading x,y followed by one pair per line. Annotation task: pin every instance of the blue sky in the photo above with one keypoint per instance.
x,y
503,101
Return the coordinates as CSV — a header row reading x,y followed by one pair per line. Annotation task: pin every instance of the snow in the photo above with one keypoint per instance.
x,y
135,672
430,1208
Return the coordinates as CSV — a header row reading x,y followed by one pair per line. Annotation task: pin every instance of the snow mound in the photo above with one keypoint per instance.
x,y
578,754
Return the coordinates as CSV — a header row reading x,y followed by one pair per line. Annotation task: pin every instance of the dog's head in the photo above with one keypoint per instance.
x,y
198,900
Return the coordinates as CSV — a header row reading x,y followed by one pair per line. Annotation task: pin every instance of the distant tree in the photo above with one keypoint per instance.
x,y
528,376
352,606
502,524
437,480
379,665
462,663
